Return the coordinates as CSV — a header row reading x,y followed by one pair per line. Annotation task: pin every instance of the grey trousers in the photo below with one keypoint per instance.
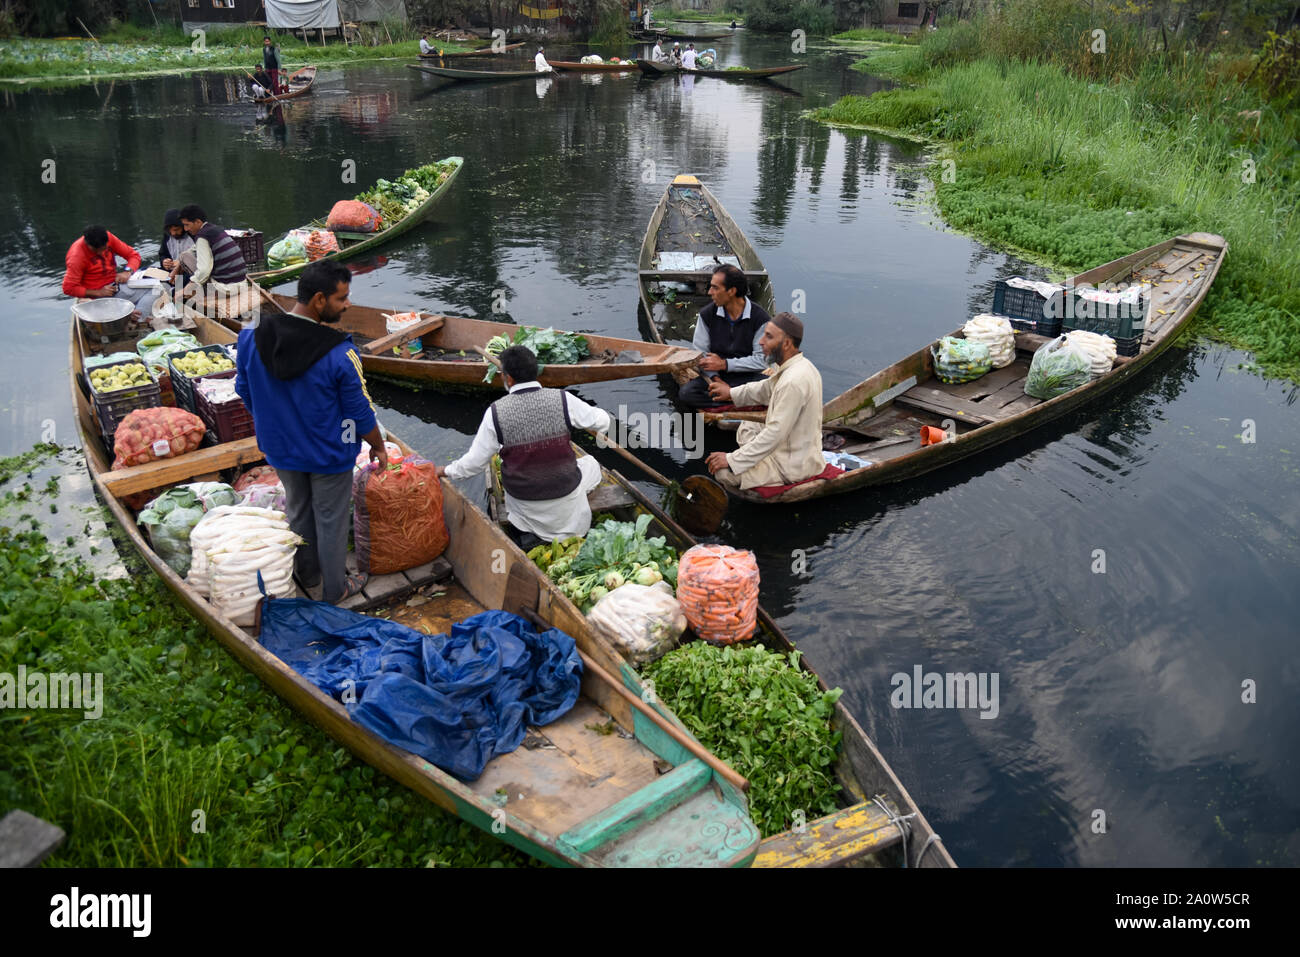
x,y
319,507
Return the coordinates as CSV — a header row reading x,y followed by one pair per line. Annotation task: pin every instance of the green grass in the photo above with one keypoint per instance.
x,y
132,51
184,729
872,35
1077,173
702,16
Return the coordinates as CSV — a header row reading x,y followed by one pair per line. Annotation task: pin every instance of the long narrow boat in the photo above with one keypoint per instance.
x,y
690,224
472,75
354,244
299,83
877,818
573,66
650,36
881,417
483,51
448,355
651,68
575,794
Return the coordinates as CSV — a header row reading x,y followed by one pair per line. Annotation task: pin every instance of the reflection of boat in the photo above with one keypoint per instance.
x,y
299,83
651,68
871,799
570,66
882,416
368,110
483,51
451,359
354,244
471,75
574,793
688,236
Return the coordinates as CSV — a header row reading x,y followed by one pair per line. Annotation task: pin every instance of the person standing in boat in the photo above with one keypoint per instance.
x,y
657,54
215,261
786,447
90,269
546,484
539,61
303,385
727,331
272,64
175,242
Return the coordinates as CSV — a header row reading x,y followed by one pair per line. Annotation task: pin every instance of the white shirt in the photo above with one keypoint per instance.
x,y
540,62
688,59
548,519
754,362
657,54
424,46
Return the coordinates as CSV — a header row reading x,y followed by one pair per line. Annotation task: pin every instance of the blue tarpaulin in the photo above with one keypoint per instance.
x,y
457,700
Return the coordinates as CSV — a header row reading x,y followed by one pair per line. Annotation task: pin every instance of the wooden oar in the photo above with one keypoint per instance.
x,y
521,599
702,502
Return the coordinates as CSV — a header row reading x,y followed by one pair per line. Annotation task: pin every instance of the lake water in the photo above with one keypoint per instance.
x,y
1119,692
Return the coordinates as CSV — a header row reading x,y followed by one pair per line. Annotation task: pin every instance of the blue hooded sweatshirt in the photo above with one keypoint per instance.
x,y
302,382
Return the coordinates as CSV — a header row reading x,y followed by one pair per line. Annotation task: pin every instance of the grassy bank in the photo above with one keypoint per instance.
x,y
872,35
1078,170
132,52
703,16
184,728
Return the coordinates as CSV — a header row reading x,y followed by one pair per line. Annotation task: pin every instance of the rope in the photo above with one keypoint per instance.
x,y
932,839
898,820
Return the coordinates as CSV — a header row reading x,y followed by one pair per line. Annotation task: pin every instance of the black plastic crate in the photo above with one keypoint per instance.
x,y
112,407
252,245
1117,320
1027,304
182,385
1051,328
227,420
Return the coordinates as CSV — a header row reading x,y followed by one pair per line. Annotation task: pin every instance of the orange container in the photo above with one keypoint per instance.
x,y
930,435
717,586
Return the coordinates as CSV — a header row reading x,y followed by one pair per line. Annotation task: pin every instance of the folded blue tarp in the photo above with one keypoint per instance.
x,y
456,700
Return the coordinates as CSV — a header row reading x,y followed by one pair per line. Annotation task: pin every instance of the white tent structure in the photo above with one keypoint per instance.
x,y
328,14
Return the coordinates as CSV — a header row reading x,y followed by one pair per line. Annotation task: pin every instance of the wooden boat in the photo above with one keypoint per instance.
x,y
470,75
690,220
570,66
877,816
299,83
650,36
881,417
575,796
354,244
482,51
448,356
651,68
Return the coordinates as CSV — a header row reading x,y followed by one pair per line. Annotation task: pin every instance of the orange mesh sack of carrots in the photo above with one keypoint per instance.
x,y
397,520
321,243
717,586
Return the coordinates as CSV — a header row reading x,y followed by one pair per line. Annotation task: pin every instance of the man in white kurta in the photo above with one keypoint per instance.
x,y
787,446
549,518
540,63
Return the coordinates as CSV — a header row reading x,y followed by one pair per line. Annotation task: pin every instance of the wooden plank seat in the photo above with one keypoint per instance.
x,y
836,839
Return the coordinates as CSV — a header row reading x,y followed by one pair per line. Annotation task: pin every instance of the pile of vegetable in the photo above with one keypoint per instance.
x,y
122,376
765,717
396,199
613,554
960,360
202,363
551,346
1058,367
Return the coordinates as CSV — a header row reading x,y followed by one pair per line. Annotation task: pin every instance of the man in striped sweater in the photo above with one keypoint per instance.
x,y
216,260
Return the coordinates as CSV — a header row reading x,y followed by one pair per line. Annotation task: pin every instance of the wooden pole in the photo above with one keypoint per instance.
x,y
86,28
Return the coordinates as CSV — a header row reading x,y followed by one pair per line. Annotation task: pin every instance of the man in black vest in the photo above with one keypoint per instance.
x,y
728,331
546,484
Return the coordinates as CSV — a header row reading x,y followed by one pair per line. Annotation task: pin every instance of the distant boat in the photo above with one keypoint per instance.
x,y
472,75
299,83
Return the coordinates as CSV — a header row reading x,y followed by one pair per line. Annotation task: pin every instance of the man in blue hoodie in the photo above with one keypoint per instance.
x,y
302,382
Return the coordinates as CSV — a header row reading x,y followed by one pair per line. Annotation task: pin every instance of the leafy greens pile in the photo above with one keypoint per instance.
x,y
765,717
613,554
395,200
551,346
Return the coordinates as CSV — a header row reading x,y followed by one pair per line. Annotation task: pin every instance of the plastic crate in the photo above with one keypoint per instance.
x,y
1026,305
182,385
1051,328
1117,320
251,244
227,420
112,407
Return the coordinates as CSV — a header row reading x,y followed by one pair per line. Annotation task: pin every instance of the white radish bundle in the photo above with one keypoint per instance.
x,y
996,333
642,621
248,539
1100,349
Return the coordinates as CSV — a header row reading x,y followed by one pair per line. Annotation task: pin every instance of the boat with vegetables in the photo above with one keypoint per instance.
x,y
614,781
880,420
573,66
852,807
654,68
401,205
299,84
689,235
447,354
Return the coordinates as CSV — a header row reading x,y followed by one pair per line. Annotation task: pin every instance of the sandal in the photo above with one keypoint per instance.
x,y
352,587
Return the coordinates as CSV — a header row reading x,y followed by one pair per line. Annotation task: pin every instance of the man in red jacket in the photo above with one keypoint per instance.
x,y
92,271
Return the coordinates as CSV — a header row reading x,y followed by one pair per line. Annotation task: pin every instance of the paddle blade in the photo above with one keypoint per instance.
x,y
703,512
